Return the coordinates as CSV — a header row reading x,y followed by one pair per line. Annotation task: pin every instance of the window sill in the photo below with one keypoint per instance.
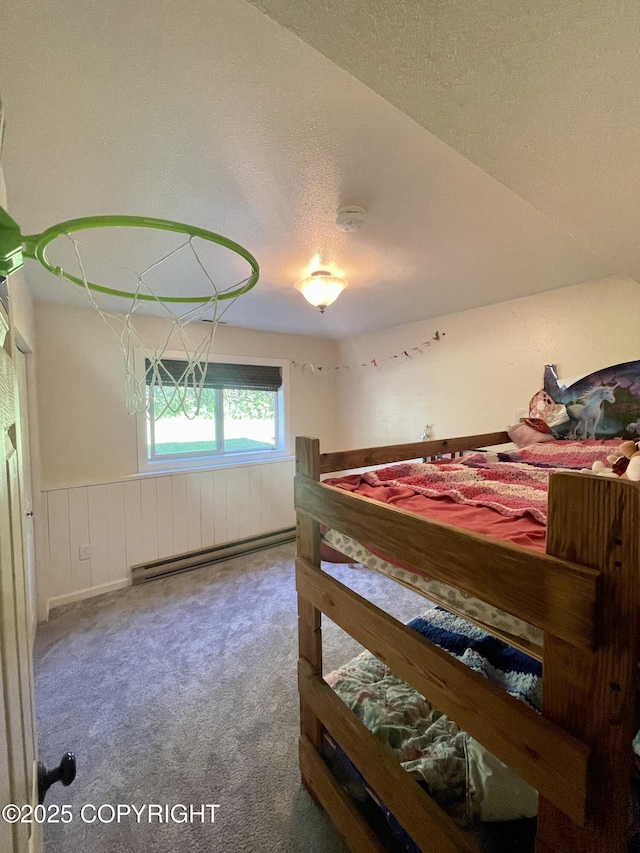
x,y
160,468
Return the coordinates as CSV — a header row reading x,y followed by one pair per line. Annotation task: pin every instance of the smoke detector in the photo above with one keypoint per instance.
x,y
350,218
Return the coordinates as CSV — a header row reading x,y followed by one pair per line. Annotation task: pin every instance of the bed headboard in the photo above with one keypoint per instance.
x,y
604,404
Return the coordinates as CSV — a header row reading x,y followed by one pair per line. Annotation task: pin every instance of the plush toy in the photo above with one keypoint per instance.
x,y
633,469
629,448
620,460
631,454
625,463
601,470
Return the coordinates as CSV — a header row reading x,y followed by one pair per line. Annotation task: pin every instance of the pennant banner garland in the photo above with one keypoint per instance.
x,y
375,362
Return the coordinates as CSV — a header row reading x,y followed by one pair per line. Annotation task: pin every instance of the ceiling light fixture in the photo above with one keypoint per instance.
x,y
321,288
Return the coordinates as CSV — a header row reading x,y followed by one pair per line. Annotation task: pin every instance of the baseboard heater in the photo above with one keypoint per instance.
x,y
143,572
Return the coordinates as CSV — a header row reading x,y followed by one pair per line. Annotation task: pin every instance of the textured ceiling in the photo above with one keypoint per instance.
x,y
544,95
214,114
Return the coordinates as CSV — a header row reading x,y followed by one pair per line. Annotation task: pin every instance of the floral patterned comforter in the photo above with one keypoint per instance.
x,y
426,742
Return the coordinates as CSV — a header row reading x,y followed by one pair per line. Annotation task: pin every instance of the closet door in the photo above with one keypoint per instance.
x,y
26,491
17,729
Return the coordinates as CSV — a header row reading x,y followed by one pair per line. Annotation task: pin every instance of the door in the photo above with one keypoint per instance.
x,y
26,492
17,727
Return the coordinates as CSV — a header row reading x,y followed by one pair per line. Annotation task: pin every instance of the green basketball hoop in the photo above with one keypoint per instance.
x,y
14,247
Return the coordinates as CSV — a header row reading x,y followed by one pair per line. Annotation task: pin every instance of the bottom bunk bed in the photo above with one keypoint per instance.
x,y
474,788
582,594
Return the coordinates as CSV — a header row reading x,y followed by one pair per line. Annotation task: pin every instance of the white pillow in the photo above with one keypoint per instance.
x,y
521,434
494,791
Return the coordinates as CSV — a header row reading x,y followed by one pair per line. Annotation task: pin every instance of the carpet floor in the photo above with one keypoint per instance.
x,y
183,691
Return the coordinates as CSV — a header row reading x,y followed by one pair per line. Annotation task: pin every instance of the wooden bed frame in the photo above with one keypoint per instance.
x,y
583,593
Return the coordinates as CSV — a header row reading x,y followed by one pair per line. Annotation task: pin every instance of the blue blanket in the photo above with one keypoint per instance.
x,y
513,671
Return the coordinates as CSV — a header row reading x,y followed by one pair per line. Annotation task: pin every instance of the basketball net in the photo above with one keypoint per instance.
x,y
155,389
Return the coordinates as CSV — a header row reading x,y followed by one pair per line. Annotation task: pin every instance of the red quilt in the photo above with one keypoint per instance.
x,y
481,492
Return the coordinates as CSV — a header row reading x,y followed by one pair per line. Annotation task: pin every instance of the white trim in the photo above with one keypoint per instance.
x,y
33,629
146,474
36,838
281,452
89,592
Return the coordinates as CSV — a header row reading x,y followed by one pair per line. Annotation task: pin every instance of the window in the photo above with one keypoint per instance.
x,y
241,417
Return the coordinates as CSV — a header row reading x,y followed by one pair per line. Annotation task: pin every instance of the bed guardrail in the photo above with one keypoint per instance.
x,y
554,594
347,459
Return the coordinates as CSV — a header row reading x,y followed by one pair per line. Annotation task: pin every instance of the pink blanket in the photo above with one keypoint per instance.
x,y
511,488
481,492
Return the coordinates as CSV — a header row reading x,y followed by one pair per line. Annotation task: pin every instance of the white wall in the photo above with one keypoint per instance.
x,y
21,303
22,311
91,492
487,365
87,435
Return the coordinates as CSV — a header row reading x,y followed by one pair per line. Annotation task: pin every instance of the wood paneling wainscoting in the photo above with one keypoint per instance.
x,y
150,517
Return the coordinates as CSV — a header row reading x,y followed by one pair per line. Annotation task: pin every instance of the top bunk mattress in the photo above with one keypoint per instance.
x,y
502,495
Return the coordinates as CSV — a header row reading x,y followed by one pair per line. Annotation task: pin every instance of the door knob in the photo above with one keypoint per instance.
x,y
65,772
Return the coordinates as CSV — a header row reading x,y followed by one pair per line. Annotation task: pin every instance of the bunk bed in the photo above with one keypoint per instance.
x,y
581,593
